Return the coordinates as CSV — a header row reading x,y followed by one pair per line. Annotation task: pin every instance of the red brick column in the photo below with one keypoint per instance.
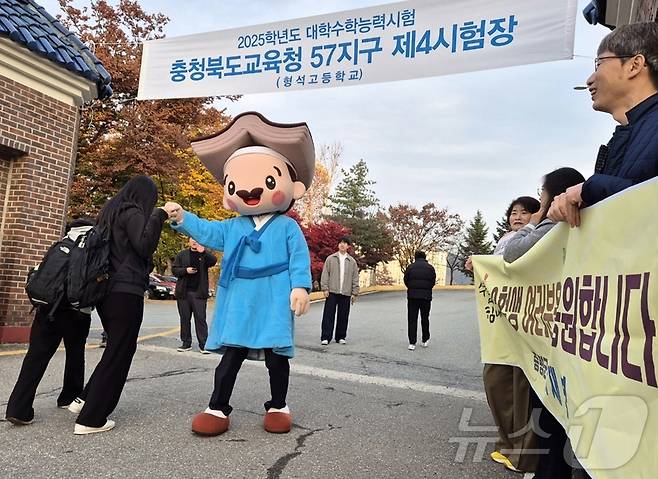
x,y
34,187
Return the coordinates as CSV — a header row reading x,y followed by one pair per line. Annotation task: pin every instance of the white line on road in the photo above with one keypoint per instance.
x,y
388,382
350,377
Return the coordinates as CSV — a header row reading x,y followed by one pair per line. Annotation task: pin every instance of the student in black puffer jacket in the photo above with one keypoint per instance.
x,y
419,278
135,227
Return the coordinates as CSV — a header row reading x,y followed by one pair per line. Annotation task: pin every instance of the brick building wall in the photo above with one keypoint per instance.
x,y
38,137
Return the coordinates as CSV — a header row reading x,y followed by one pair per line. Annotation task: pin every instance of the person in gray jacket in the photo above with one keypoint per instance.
x,y
340,284
555,183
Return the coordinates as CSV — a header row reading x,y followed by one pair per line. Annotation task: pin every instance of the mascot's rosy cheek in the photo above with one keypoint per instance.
x,y
278,198
231,205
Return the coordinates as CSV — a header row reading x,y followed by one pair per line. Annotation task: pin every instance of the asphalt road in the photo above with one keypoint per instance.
x,y
370,408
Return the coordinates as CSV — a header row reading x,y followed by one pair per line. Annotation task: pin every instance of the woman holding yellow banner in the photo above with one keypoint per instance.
x,y
506,386
551,464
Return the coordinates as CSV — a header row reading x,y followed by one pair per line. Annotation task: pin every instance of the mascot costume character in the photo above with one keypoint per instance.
x,y
265,271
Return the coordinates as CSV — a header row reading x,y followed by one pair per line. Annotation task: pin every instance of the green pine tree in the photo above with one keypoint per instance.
x,y
355,205
475,241
354,198
502,228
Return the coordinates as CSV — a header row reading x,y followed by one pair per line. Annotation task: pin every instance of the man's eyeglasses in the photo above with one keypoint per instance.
x,y
597,60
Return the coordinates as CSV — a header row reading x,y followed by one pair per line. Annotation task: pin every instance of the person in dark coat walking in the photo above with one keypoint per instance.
x,y
191,268
419,278
135,231
67,324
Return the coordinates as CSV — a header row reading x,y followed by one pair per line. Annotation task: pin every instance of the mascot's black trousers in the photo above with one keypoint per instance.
x,y
227,372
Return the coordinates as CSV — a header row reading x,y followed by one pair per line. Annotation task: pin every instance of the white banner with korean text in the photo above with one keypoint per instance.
x,y
397,41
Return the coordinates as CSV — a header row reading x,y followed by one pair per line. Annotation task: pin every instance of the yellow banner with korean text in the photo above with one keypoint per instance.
x,y
578,314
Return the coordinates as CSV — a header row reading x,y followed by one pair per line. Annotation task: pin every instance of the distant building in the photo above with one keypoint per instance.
x,y
46,75
391,272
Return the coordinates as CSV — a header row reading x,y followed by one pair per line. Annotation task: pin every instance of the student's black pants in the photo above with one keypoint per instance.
x,y
227,372
45,337
333,302
556,462
121,315
186,306
413,307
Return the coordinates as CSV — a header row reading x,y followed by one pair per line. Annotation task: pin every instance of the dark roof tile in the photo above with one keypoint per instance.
x,y
27,23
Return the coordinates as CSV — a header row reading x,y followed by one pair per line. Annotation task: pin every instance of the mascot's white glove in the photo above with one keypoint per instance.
x,y
174,210
299,301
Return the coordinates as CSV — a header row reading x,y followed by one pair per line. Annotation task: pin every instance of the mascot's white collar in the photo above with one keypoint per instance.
x,y
263,150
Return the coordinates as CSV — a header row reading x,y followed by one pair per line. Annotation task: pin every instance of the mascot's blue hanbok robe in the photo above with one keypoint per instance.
x,y
258,271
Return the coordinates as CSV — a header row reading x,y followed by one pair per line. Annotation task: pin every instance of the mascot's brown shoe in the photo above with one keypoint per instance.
x,y
210,424
278,421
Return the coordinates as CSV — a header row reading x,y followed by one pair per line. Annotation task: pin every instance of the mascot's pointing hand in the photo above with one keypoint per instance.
x,y
299,301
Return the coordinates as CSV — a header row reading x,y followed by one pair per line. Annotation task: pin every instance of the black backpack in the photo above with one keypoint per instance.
x,y
46,284
73,273
89,269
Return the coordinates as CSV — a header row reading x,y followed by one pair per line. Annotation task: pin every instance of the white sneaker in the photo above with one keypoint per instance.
x,y
80,429
285,410
342,341
215,412
203,351
411,347
425,343
76,406
324,342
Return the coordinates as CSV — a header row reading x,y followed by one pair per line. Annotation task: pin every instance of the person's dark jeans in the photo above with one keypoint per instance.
x,y
45,337
227,372
187,306
413,307
332,303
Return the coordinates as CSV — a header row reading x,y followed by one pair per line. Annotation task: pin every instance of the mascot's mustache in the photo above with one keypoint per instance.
x,y
250,197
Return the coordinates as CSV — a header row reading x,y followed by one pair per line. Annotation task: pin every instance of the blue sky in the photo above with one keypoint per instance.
x,y
466,142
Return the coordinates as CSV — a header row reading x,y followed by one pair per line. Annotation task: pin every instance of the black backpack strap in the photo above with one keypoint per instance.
x,y
53,310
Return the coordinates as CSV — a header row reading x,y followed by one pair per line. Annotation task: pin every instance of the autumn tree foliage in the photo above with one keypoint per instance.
x,y
119,136
429,228
326,169
197,191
